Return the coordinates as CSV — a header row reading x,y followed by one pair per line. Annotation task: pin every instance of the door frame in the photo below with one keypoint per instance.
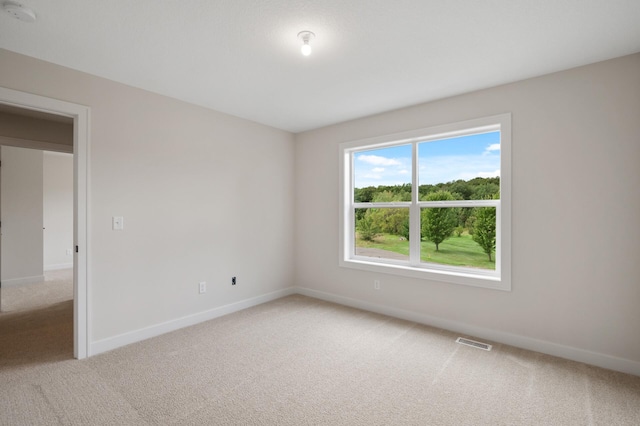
x,y
81,277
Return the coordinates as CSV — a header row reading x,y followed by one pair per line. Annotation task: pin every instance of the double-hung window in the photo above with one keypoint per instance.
x,y
431,203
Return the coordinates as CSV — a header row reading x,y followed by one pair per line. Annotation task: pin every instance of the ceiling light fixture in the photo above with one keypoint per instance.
x,y
19,12
306,37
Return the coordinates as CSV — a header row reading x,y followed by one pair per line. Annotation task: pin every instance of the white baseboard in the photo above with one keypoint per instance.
x,y
17,282
549,348
111,343
58,266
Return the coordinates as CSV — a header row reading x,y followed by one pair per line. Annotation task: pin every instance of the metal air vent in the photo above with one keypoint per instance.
x,y
473,343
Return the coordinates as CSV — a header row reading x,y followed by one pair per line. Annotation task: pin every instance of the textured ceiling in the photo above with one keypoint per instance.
x,y
243,58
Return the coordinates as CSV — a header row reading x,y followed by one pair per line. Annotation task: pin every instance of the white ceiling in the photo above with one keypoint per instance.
x,y
242,57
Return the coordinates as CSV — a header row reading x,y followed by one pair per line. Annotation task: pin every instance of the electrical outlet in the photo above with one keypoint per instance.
x,y
69,252
203,287
376,284
233,280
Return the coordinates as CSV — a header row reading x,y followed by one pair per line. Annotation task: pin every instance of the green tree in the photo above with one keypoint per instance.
x,y
463,188
391,220
484,229
424,190
404,227
366,227
364,195
486,191
471,221
385,196
463,215
438,223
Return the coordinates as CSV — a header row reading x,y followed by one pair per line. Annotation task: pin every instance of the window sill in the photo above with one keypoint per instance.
x,y
480,279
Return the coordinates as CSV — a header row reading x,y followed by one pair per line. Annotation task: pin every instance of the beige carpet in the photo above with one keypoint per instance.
x,y
300,361
57,287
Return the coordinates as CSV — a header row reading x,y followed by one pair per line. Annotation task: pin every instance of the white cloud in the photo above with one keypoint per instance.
x,y
377,160
492,147
374,170
489,174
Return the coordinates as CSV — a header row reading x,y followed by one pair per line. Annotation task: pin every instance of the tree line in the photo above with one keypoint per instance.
x,y
474,189
437,224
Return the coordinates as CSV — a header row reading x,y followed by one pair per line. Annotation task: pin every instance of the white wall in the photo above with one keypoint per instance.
x,y
576,204
205,196
57,210
21,216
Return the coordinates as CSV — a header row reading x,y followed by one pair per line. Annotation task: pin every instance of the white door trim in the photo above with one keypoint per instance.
x,y
81,281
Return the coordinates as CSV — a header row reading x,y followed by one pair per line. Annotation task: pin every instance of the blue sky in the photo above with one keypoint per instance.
x,y
443,160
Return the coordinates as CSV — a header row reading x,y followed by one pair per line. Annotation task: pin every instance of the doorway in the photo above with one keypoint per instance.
x,y
36,260
80,116
36,209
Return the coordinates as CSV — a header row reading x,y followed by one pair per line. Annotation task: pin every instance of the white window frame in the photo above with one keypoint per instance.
x,y
500,279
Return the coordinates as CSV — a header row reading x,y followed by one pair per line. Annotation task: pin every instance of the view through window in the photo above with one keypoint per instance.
x,y
430,203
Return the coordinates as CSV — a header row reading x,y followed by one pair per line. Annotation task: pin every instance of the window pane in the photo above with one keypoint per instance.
x,y
467,167
382,174
459,236
382,233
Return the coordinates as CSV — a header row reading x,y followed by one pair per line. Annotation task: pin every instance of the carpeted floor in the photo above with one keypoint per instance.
x,y
298,361
57,287
36,322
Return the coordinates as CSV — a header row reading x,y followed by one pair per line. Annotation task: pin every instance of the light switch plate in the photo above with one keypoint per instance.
x,y
118,223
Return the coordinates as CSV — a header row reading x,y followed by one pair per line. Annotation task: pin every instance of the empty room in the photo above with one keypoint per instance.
x,y
294,212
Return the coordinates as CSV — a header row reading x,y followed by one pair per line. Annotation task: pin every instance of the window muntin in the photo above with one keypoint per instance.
x,y
448,158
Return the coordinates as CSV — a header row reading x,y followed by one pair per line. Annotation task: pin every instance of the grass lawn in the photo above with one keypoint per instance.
x,y
455,251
